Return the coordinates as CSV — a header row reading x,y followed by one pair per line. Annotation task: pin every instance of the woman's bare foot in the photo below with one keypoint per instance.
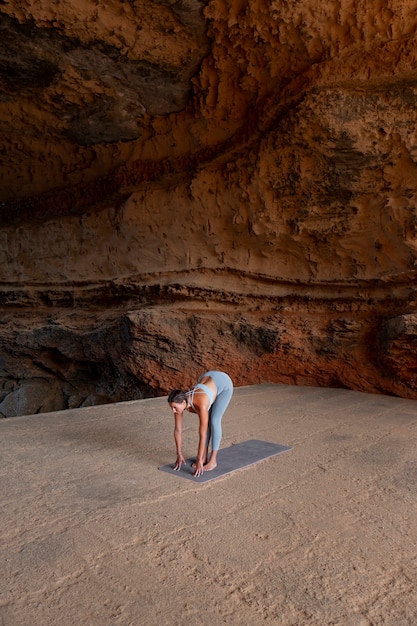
x,y
211,465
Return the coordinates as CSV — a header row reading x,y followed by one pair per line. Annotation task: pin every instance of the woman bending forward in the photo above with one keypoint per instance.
x,y
209,399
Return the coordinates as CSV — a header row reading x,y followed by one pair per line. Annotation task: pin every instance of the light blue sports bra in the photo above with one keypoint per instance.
x,y
200,388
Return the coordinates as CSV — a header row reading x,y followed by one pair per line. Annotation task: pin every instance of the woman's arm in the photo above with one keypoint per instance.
x,y
202,440
178,441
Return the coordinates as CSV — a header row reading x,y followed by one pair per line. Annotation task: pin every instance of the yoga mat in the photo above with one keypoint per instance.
x,y
230,459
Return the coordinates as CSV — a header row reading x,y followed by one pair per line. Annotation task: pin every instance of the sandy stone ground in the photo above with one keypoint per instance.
x,y
93,534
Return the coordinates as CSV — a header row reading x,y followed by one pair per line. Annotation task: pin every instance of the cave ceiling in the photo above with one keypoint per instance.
x,y
77,80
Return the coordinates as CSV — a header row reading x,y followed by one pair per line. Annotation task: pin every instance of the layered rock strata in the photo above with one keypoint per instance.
x,y
192,185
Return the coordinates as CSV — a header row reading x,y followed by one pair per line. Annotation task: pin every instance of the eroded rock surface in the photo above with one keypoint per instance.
x,y
191,184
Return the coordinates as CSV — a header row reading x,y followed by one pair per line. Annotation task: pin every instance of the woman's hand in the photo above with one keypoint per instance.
x,y
180,460
198,468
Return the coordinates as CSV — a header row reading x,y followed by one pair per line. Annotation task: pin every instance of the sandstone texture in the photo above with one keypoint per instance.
x,y
93,534
190,185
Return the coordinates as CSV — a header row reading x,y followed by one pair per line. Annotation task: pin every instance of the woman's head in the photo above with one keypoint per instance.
x,y
178,396
177,400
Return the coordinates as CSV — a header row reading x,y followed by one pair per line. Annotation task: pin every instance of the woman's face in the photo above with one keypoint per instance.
x,y
178,407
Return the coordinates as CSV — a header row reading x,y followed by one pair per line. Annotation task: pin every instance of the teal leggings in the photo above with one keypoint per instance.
x,y
224,387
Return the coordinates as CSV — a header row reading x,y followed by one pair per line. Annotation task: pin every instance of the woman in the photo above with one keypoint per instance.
x,y
209,399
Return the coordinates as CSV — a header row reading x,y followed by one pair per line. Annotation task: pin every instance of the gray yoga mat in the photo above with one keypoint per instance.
x,y
231,459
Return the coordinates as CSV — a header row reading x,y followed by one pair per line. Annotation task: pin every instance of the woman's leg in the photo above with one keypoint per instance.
x,y
216,414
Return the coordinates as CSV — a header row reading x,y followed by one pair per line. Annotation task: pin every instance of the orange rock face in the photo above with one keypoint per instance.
x,y
199,185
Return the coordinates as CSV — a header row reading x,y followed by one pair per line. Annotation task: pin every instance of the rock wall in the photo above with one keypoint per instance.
x,y
190,185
